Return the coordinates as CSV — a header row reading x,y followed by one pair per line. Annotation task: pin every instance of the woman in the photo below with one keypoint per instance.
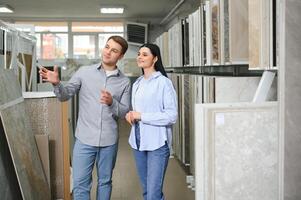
x,y
154,111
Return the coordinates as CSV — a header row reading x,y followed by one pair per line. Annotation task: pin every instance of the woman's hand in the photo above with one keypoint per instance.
x,y
129,118
132,117
136,115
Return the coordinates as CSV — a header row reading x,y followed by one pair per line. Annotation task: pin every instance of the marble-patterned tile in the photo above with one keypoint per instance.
x,y
226,35
24,152
259,35
9,86
254,33
186,115
215,25
238,30
240,89
237,148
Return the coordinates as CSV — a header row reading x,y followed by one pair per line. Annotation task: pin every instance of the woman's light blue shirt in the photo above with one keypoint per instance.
x,y
156,100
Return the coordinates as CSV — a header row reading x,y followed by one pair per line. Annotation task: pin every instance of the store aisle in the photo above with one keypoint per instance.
x,y
125,179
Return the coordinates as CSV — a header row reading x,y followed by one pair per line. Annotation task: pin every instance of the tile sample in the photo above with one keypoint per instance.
x,y
45,112
259,34
9,187
237,148
240,89
226,45
20,140
215,20
9,86
238,31
24,152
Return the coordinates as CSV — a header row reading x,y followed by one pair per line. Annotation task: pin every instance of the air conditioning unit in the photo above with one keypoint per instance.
x,y
136,33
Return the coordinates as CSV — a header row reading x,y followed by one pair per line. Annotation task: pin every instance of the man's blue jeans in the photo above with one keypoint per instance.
x,y
84,157
151,167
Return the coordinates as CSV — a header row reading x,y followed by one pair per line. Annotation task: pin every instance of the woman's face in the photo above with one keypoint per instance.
x,y
145,58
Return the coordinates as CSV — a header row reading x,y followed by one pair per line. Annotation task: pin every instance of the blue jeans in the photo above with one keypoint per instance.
x,y
151,167
84,157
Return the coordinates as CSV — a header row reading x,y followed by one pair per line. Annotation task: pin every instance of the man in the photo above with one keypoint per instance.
x,y
104,96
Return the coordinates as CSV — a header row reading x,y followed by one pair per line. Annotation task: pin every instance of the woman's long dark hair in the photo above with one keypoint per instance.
x,y
155,50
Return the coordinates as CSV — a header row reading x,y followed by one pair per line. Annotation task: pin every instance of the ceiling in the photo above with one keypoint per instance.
x,y
146,11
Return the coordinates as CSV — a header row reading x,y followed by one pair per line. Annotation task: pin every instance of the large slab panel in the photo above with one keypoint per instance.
x,y
24,153
45,111
215,17
238,30
259,34
20,141
9,187
240,89
236,149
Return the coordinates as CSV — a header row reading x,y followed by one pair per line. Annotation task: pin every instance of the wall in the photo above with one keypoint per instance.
x,y
183,11
290,98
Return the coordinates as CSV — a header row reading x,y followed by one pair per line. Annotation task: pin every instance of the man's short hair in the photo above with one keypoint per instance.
x,y
120,40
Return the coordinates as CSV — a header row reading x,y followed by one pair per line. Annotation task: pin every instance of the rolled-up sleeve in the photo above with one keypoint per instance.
x,y
120,108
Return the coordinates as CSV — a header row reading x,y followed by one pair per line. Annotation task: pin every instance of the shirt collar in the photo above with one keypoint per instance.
x,y
155,75
152,76
100,68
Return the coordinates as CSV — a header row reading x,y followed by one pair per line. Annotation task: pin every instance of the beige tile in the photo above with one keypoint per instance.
x,y
259,35
239,34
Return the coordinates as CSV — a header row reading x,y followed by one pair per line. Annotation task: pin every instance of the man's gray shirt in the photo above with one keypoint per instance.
x,y
97,122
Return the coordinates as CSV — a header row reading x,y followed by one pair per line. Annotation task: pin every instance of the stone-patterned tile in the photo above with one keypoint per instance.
x,y
237,148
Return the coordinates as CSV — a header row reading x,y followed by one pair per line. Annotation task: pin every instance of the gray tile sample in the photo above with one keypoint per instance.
x,y
9,86
9,187
46,119
20,140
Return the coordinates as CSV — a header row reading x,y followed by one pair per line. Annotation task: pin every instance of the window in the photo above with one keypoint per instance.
x,y
83,39
52,39
55,46
113,27
84,46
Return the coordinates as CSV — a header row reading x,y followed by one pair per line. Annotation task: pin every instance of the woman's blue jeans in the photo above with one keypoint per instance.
x,y
151,167
84,157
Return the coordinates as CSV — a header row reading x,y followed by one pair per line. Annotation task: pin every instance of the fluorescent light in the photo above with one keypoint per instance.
x,y
6,9
111,10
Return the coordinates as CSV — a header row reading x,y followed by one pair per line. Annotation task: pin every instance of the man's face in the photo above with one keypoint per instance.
x,y
111,53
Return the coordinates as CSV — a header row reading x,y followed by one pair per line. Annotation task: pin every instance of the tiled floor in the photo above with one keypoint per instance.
x,y
125,179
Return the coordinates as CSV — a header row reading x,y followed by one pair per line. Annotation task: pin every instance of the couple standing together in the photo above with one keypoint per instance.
x,y
104,96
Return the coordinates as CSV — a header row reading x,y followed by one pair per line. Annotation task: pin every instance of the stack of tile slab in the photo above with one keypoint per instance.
x,y
45,113
16,130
